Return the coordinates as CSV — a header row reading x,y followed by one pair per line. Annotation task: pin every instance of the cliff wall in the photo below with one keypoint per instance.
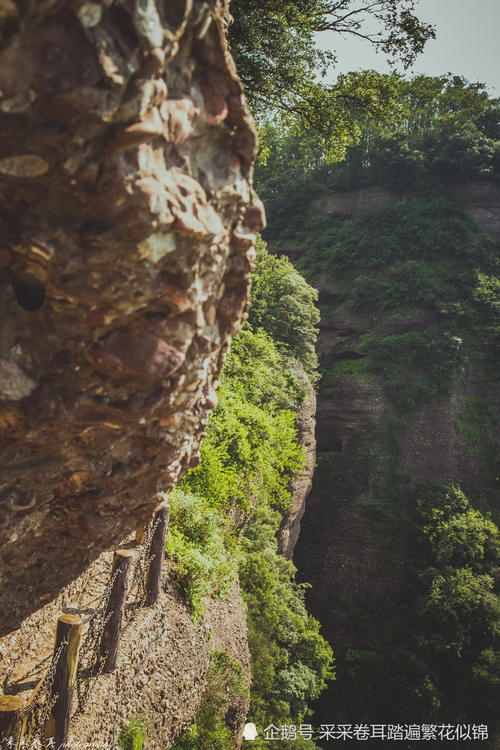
x,y
127,225
371,456
301,482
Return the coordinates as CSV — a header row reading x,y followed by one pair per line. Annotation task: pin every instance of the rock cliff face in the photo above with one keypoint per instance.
x,y
300,485
357,568
127,224
482,200
338,552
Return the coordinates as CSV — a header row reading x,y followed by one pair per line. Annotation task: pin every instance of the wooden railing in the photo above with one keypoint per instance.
x,y
43,721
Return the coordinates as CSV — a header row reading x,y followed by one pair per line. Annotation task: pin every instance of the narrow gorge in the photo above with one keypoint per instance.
x,y
399,539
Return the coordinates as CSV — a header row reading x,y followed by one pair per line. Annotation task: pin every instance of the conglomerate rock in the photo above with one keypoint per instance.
x,y
127,225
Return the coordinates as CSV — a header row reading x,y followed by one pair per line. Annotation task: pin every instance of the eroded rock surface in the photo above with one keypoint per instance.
x,y
300,484
127,226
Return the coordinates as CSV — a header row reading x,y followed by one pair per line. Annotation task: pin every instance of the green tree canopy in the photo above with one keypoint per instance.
x,y
277,55
283,304
404,130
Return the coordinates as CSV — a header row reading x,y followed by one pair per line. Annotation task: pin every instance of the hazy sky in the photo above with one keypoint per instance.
x,y
467,43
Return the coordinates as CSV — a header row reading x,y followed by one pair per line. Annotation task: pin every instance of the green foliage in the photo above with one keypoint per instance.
x,y
476,425
291,662
444,129
477,421
416,366
225,687
394,232
467,538
250,449
247,459
460,607
445,618
457,601
200,543
283,304
391,289
278,59
347,368
133,735
256,371
402,256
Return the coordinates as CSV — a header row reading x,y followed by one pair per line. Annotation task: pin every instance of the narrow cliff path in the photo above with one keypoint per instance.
x,y
163,658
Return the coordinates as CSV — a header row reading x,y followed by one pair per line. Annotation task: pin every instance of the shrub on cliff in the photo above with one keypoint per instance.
x,y
250,450
133,735
416,367
198,540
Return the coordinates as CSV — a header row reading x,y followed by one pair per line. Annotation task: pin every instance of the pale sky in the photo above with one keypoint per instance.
x,y
467,43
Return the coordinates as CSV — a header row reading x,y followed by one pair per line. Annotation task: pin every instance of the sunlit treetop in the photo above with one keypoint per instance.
x,y
278,59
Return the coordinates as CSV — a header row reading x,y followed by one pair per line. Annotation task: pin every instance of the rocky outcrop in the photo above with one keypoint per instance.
x,y
481,199
127,226
300,484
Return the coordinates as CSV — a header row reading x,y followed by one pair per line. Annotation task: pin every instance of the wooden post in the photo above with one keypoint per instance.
x,y
10,721
139,535
114,611
157,553
67,645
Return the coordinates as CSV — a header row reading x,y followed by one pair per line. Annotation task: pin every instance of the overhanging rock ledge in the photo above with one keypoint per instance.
x,y
127,228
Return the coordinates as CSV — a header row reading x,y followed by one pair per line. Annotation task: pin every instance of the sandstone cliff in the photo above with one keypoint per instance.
x,y
348,548
127,223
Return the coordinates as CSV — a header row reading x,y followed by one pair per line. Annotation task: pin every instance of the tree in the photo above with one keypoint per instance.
x,y
457,627
446,127
279,62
